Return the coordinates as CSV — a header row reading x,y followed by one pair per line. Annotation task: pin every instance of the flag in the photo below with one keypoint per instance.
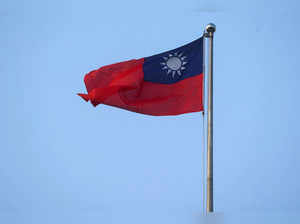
x,y
169,83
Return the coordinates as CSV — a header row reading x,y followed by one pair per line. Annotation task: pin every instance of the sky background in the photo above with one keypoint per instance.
x,y
64,161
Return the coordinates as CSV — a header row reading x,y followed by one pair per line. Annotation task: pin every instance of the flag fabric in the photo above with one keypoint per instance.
x,y
169,83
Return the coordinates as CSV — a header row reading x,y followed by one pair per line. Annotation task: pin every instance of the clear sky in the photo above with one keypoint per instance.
x,y
64,161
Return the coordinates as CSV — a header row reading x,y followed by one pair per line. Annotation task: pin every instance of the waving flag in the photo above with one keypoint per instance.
x,y
169,83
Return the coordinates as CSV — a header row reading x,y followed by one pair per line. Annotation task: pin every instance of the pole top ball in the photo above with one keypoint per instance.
x,y
210,28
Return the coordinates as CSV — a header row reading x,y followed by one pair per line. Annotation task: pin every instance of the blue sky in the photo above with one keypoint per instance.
x,y
64,161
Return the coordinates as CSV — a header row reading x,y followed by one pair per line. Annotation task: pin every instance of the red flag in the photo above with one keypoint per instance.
x,y
169,83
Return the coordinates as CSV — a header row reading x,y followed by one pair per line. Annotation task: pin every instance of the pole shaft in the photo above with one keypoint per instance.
x,y
209,190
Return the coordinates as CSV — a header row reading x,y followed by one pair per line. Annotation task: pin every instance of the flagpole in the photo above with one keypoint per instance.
x,y
210,29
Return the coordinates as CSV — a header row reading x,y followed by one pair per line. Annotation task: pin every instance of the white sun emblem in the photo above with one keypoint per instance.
x,y
174,64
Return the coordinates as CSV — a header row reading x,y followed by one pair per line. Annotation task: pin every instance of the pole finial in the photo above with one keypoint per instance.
x,y
210,28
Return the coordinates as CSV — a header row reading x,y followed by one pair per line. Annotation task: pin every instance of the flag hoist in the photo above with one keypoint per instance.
x,y
209,34
168,83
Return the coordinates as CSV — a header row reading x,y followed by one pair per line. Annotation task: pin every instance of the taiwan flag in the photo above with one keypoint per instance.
x,y
169,83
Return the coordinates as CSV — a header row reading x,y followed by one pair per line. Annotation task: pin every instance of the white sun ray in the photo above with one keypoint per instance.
x,y
173,73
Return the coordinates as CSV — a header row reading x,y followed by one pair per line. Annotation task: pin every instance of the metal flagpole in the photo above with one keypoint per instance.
x,y
210,29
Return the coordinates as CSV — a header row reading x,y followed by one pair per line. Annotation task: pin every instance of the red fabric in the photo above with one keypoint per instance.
x,y
122,85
